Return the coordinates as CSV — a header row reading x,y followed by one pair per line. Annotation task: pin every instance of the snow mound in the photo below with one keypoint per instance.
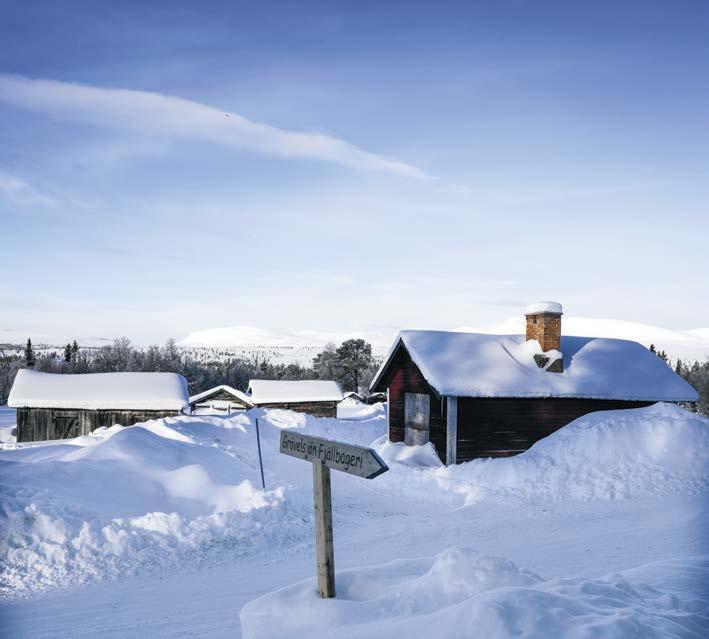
x,y
645,452
353,410
461,593
418,456
163,494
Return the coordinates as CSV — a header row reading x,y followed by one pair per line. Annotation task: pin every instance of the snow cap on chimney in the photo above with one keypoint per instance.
x,y
543,307
544,325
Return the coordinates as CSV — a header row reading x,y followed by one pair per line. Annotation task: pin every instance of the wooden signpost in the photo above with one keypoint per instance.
x,y
325,454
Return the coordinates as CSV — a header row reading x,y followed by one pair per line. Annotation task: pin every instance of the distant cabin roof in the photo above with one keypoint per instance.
x,y
99,391
266,391
353,395
240,395
477,365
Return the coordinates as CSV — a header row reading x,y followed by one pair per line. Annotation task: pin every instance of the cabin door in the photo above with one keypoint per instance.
x,y
417,414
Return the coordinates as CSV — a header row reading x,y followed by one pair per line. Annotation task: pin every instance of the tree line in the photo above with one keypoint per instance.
x,y
351,364
696,374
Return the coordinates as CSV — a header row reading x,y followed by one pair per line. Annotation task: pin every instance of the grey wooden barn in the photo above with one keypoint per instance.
x,y
51,406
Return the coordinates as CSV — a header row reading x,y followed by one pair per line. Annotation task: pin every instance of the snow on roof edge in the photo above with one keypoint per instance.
x,y
270,391
688,393
99,391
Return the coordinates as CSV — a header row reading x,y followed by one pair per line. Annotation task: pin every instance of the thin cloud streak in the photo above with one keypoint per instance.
x,y
21,192
177,118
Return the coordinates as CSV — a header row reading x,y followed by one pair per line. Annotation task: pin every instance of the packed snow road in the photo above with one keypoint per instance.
x,y
162,530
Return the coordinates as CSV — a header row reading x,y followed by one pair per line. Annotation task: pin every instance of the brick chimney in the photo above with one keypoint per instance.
x,y
544,325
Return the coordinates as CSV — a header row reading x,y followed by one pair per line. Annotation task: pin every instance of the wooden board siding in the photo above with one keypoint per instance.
x,y
401,377
317,409
39,424
503,427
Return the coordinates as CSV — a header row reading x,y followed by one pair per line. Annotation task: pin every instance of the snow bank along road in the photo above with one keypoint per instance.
x,y
162,529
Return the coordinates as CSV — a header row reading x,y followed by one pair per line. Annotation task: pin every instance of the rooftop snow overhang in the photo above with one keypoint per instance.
x,y
587,361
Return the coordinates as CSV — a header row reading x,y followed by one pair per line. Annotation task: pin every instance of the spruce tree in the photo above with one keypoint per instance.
x,y
30,358
354,356
679,367
74,352
67,353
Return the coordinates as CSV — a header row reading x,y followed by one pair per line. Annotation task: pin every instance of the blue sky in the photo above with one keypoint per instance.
x,y
350,166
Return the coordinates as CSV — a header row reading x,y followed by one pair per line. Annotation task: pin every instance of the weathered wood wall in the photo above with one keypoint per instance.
x,y
486,427
38,424
501,427
317,409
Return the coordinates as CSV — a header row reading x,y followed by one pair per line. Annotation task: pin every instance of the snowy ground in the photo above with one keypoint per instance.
x,y
162,530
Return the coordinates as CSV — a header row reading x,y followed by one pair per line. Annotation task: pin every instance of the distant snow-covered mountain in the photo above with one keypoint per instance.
x,y
301,346
276,347
230,336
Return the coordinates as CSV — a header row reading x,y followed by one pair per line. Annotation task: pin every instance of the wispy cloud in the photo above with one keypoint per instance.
x,y
172,117
20,192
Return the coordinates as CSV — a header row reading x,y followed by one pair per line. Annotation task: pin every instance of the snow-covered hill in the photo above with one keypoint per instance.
x,y
260,337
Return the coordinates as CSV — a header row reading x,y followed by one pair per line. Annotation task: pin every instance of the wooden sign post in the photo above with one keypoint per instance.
x,y
325,454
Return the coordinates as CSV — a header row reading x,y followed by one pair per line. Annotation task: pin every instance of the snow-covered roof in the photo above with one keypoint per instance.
x,y
267,391
476,365
104,391
240,395
543,307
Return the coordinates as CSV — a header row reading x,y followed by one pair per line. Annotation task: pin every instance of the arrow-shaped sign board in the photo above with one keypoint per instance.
x,y
355,460
325,454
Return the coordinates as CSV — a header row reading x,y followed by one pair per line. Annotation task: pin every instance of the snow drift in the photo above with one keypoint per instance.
x,y
174,492
139,499
643,452
461,593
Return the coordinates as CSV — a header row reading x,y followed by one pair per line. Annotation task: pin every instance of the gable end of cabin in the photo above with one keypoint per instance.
x,y
403,376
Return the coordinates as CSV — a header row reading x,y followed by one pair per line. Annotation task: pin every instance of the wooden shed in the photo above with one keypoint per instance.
x,y
221,399
315,397
51,406
479,395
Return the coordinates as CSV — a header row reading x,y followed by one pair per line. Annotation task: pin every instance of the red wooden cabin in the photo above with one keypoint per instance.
x,y
478,395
